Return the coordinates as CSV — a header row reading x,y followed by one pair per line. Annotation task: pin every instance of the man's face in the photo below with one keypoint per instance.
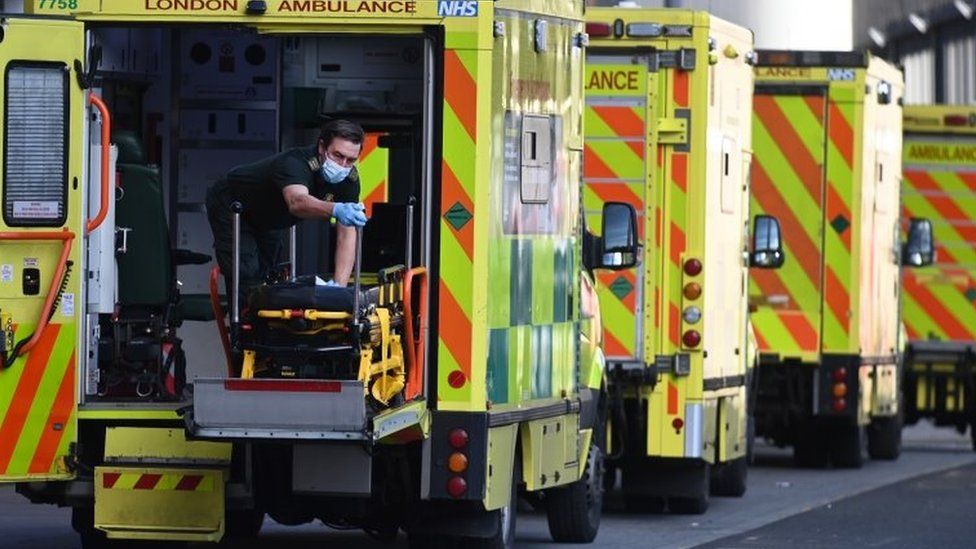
x,y
342,151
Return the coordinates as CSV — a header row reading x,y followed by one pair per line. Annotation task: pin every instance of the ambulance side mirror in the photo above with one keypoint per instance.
x,y
919,251
767,244
619,248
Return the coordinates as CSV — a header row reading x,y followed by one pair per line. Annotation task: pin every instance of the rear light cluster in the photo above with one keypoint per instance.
x,y
457,463
959,120
692,313
637,29
838,389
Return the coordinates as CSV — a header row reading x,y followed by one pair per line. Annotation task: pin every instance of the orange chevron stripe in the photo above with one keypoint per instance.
x,y
674,316
816,104
455,329
451,193
936,310
622,120
677,244
64,404
594,167
781,130
838,299
378,195
611,192
681,88
922,181
804,250
460,92
24,394
841,133
613,345
679,170
370,144
800,328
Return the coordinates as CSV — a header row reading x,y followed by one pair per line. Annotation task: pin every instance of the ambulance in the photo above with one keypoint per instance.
x,y
939,306
827,164
456,375
668,102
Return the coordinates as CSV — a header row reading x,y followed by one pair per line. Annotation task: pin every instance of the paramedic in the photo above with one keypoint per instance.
x,y
314,182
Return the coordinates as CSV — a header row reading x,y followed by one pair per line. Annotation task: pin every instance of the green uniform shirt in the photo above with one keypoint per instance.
x,y
258,186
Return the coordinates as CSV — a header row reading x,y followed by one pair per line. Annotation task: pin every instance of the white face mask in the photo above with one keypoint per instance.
x,y
333,172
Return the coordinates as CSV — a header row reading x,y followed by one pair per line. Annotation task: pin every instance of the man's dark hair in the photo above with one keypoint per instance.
x,y
343,129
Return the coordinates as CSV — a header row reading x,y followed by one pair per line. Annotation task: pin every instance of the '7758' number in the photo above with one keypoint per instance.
x,y
58,4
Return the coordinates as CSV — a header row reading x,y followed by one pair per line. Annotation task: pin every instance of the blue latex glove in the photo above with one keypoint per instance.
x,y
332,283
350,214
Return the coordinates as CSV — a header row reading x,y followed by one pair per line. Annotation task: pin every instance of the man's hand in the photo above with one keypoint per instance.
x,y
350,214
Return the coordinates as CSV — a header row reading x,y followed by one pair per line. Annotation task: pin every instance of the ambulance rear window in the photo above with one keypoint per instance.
x,y
35,151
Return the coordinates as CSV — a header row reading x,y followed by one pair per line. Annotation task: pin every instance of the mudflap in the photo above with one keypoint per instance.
x,y
171,504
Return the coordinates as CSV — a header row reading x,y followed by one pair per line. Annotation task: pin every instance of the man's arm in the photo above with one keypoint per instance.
x,y
303,205
345,256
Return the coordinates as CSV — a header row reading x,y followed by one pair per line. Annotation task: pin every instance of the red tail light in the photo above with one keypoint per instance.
x,y
599,30
840,374
693,267
456,487
691,338
458,438
956,120
839,405
677,423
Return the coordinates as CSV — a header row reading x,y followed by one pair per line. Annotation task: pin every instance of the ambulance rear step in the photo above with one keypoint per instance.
x,y
278,409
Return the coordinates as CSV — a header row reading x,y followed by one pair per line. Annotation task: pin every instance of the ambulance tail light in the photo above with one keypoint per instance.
x,y
839,405
693,267
458,438
456,487
691,339
599,30
956,120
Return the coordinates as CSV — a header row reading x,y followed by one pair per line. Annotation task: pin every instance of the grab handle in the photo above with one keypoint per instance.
x,y
106,142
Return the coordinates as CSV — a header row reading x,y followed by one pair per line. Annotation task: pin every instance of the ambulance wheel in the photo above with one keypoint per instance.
x,y
644,505
847,446
243,524
729,479
884,437
688,506
574,511
504,518
810,445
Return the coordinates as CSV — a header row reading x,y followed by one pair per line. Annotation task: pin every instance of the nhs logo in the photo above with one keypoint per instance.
x,y
457,8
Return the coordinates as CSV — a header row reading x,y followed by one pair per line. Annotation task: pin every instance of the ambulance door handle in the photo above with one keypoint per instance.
x,y
106,138
672,131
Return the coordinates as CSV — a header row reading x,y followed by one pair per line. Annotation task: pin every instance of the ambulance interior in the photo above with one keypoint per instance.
x,y
188,104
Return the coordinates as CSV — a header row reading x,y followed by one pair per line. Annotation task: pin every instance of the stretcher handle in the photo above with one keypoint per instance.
x,y
106,143
415,341
218,312
357,281
236,209
66,237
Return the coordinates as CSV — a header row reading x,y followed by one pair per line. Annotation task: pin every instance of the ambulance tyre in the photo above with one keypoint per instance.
x,y
574,511
644,505
729,479
694,504
810,445
243,524
847,445
884,437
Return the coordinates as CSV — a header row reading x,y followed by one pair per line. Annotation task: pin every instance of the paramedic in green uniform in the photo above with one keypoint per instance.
x,y
315,182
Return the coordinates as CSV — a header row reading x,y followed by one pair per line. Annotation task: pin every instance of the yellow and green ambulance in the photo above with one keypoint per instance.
x,y
668,102
115,111
939,303
827,164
